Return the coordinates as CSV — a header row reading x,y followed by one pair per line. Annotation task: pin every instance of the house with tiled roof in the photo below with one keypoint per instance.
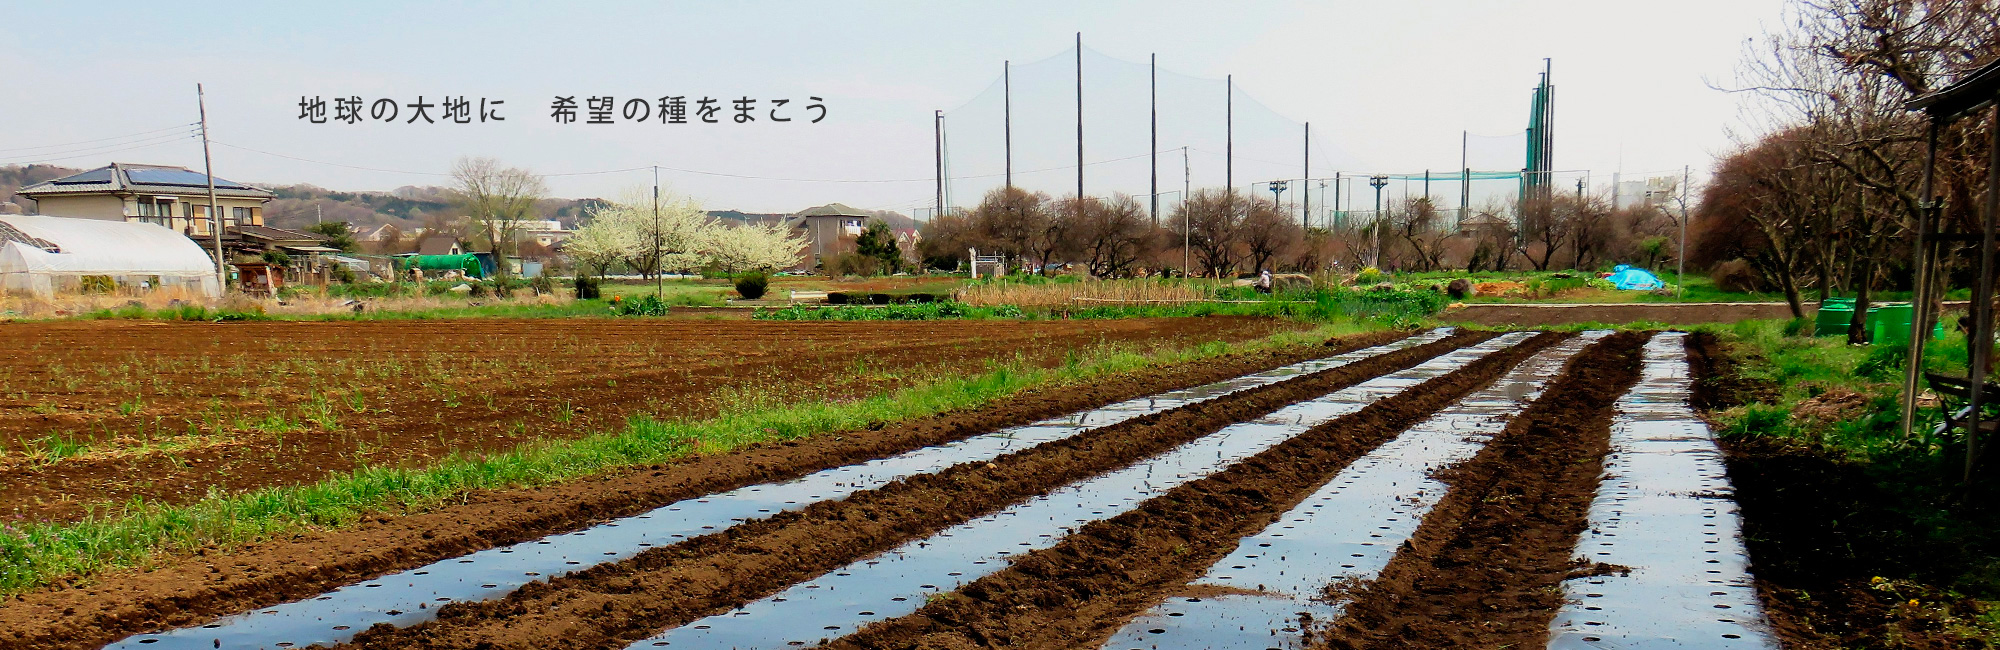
x,y
174,197
177,198
829,230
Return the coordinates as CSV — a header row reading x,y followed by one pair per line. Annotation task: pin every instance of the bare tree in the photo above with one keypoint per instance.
x,y
497,199
1212,219
1010,220
1544,231
1268,232
1420,226
1113,235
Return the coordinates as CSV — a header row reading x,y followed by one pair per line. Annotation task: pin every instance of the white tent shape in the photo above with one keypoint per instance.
x,y
129,252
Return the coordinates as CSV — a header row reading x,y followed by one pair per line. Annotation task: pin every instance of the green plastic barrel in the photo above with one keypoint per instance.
x,y
1833,316
1890,323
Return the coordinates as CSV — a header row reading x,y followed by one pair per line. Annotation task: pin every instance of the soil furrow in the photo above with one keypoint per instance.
x,y
1078,592
212,582
1485,568
274,403
615,604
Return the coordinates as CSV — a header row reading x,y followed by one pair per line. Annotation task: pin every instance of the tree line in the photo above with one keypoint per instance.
x,y
1221,233
1824,199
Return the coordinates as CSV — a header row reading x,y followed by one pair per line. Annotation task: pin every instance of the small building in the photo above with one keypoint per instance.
x,y
440,245
827,229
1485,223
175,198
43,256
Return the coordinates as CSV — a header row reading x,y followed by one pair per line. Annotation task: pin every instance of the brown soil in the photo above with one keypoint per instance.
x,y
1537,314
1484,569
171,410
191,589
1079,592
1850,554
612,605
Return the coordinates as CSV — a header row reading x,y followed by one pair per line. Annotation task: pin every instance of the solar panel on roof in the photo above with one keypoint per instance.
x,y
176,177
100,175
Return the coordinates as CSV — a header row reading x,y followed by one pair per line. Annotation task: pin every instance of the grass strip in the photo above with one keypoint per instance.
x,y
37,554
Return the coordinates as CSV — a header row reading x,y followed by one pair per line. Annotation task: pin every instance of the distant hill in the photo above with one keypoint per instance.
x,y
407,208
15,177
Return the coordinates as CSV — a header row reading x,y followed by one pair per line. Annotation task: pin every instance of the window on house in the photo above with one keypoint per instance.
x,y
155,211
239,216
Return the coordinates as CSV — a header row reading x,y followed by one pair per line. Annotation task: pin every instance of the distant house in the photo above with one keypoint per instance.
x,y
174,197
1483,223
826,228
440,245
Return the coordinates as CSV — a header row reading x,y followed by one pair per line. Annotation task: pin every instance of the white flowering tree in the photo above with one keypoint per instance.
x,y
672,238
599,244
755,247
678,237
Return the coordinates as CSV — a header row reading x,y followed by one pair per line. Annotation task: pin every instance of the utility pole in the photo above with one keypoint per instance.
x,y
1187,221
1305,190
1153,93
1680,260
937,134
1079,116
1007,115
214,209
660,277
1464,176
1229,134
319,216
1336,201
1378,182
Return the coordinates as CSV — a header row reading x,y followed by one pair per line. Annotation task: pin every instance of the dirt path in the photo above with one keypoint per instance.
x,y
1484,569
166,411
192,589
1540,314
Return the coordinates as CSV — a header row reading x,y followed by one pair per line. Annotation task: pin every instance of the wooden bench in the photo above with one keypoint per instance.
x,y
1959,389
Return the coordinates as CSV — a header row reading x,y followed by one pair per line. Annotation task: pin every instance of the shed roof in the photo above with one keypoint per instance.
x,y
1971,92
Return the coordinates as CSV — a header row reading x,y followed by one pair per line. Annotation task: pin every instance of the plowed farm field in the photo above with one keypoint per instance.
x,y
1432,489
102,412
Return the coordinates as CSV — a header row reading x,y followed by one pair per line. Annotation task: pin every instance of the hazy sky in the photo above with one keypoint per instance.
x,y
1390,84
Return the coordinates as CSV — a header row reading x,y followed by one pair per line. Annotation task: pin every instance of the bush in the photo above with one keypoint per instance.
x,y
752,285
1459,288
1736,275
846,264
586,288
1367,276
643,306
542,285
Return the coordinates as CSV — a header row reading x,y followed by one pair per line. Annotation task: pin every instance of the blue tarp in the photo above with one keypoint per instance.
x,y
1628,278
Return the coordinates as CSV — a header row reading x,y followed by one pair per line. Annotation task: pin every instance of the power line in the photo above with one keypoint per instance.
x,y
104,150
686,170
66,145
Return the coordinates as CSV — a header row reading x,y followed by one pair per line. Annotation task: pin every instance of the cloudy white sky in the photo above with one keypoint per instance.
x,y
1389,85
